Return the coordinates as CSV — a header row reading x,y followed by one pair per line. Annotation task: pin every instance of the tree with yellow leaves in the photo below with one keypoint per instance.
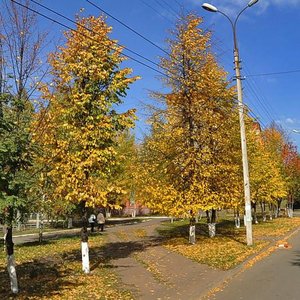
x,y
78,129
266,178
285,154
189,157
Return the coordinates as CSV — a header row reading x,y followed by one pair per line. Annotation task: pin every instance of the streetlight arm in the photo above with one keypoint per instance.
x,y
233,24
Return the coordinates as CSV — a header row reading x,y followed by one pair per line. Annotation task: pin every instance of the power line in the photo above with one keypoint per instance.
x,y
274,73
156,11
128,27
166,7
265,101
70,28
256,93
171,8
179,4
260,102
250,85
78,24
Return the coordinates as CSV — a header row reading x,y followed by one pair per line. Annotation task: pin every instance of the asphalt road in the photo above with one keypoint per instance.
x,y
275,277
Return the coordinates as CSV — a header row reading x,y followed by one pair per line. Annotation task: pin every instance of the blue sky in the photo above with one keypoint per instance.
x,y
268,35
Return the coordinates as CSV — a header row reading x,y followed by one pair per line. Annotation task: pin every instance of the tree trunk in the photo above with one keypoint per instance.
x,y
18,220
271,209
41,228
192,231
237,220
107,212
278,206
211,218
254,213
290,206
70,222
37,220
84,242
263,211
11,264
275,211
199,215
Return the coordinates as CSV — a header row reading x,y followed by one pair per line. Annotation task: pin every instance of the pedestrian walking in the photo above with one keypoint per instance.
x,y
92,221
100,221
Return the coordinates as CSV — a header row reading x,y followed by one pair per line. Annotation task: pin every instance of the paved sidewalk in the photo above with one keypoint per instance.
x,y
152,272
276,277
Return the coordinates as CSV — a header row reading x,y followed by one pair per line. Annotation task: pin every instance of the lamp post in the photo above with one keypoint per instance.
x,y
248,217
296,131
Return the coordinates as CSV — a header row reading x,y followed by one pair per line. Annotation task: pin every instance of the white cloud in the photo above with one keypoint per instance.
x,y
289,124
289,121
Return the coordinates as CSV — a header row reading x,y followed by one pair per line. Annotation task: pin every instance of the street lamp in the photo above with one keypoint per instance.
x,y
248,217
296,131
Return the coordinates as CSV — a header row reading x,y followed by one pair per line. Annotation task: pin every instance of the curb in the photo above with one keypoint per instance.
x,y
245,265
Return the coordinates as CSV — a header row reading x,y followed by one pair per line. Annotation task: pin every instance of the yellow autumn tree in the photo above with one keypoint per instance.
x,y
189,158
122,175
284,154
266,179
78,130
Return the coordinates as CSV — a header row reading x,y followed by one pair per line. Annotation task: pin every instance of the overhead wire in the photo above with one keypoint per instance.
x,y
70,28
80,25
249,86
274,73
156,11
251,106
166,8
131,29
265,103
171,8
179,4
266,111
128,27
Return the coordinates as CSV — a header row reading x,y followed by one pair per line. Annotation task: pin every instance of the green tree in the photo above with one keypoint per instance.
x,y
20,51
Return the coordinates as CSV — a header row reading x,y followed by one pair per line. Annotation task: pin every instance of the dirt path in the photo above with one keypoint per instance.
x,y
151,271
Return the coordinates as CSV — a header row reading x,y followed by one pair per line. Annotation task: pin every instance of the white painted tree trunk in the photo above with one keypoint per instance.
x,y
192,234
212,229
172,219
290,212
18,220
70,223
133,212
237,222
11,268
85,257
41,228
38,220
